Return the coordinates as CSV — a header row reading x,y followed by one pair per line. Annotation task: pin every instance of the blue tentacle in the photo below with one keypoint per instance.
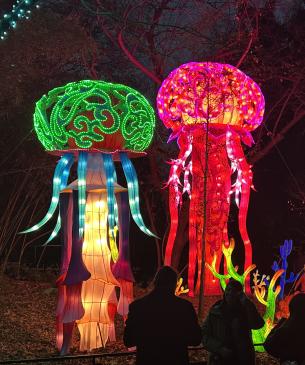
x,y
55,231
81,173
133,193
63,184
116,210
110,171
60,177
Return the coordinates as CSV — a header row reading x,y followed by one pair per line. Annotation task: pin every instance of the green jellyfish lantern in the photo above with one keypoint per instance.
x,y
93,123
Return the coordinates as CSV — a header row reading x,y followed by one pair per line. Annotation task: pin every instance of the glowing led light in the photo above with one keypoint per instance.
x,y
100,204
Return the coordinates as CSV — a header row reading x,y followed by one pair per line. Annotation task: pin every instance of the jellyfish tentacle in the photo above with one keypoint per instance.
x,y
186,179
63,184
196,219
174,218
242,193
81,173
133,193
116,209
113,243
66,172
110,174
109,170
55,231
175,194
174,201
60,176
243,207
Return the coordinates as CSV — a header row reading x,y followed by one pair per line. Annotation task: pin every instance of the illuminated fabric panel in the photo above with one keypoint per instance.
x,y
66,206
126,297
122,269
94,325
77,271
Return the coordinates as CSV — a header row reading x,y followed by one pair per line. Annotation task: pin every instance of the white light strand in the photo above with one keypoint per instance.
x,y
236,165
174,179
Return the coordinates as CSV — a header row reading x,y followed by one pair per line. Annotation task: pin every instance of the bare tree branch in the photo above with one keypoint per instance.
x,y
278,138
147,72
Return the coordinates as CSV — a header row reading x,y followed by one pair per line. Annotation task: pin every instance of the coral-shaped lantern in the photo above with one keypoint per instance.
x,y
267,297
285,251
94,123
218,99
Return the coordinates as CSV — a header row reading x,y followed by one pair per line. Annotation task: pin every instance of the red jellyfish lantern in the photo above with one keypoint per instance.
x,y
195,99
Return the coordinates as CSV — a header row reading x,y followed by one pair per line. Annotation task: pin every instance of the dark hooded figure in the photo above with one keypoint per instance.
x,y
226,332
162,325
286,341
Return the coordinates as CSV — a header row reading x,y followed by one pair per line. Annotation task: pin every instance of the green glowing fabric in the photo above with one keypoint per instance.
x,y
94,115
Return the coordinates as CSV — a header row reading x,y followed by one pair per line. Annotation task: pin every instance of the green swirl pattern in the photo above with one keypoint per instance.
x,y
86,112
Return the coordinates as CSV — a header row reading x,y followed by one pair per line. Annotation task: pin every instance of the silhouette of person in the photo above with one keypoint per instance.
x,y
226,332
162,325
286,339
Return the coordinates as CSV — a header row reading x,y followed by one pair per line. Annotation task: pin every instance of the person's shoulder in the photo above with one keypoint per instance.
x,y
140,301
183,302
216,308
137,303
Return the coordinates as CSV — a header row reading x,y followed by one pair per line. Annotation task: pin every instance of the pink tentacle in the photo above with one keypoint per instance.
x,y
174,213
242,221
173,210
245,183
194,215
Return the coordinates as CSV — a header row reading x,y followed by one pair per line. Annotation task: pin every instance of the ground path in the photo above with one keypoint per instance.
x,y
27,323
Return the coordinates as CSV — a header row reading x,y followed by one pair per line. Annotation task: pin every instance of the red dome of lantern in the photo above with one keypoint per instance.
x,y
198,92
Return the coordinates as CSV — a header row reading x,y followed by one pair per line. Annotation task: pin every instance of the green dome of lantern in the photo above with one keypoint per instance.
x,y
94,116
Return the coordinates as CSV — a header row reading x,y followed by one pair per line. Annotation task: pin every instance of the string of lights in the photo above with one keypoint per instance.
x,y
22,9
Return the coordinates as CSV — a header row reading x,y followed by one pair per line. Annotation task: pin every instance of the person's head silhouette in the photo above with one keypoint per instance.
x,y
166,279
232,293
297,306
